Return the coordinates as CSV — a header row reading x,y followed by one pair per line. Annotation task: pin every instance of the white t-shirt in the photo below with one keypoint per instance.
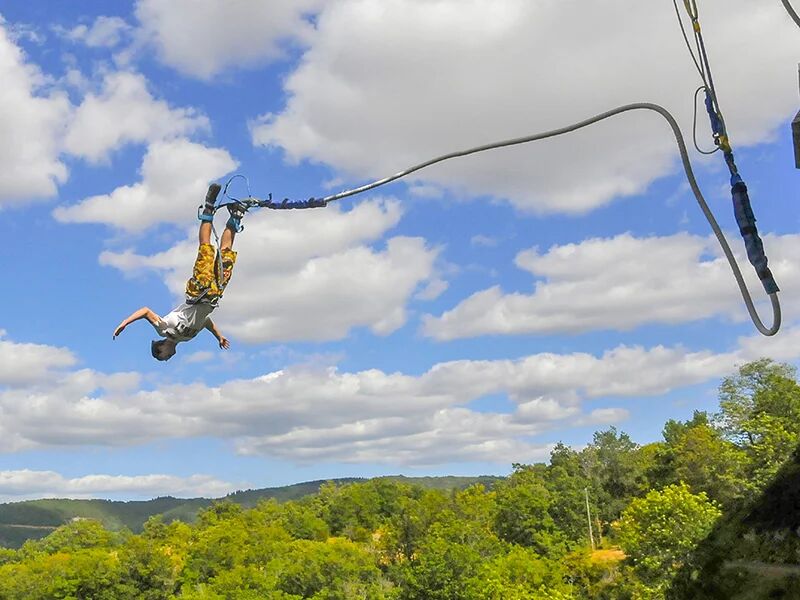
x,y
185,321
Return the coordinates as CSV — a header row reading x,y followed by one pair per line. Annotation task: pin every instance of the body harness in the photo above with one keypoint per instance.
x,y
741,202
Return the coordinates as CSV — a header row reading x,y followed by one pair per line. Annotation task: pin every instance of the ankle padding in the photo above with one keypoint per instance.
x,y
234,223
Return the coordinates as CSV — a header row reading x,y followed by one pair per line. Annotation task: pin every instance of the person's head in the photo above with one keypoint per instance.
x,y
163,349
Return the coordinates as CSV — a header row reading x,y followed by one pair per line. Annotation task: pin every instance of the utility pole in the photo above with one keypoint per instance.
x,y
589,517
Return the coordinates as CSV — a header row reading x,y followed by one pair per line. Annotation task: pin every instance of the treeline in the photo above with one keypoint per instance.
x,y
30,519
526,538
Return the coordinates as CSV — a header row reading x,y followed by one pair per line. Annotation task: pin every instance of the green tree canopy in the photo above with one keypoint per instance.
x,y
659,531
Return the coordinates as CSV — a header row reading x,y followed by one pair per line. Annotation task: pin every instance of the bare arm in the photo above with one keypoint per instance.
x,y
223,341
142,313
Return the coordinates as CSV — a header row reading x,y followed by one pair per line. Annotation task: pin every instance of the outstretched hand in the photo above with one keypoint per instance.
x,y
120,328
224,343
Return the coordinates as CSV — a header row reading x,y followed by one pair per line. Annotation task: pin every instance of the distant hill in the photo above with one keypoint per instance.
x,y
33,519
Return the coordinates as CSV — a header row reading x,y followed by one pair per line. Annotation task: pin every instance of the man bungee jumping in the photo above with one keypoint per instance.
x,y
203,290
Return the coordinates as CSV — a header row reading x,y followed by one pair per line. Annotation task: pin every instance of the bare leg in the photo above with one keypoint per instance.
x,y
226,243
208,208
205,233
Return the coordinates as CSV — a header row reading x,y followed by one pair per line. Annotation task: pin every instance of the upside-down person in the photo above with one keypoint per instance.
x,y
203,290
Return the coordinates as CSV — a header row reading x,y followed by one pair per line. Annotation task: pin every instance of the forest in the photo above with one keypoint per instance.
x,y
709,511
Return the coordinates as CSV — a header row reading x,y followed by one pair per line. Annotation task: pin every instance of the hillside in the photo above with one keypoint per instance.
x,y
34,519
752,553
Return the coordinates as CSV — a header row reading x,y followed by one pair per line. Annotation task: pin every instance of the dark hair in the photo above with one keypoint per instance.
x,y
156,349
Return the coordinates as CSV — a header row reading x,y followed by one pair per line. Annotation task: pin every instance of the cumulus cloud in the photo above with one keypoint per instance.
x,y
310,275
25,363
188,37
124,112
447,75
26,484
104,32
32,124
312,414
619,283
175,176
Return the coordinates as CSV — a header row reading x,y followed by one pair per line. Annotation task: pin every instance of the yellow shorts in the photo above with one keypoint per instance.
x,y
204,282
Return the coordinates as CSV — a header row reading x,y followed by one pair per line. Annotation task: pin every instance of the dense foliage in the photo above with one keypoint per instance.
x,y
524,538
34,519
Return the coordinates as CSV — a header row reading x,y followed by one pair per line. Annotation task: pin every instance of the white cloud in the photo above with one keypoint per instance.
x,y
31,123
104,32
28,484
435,288
484,241
25,363
23,32
175,176
203,39
447,75
312,414
202,356
620,283
307,275
447,435
125,112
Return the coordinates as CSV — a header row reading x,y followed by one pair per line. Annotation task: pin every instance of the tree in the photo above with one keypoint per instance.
x,y
338,570
476,505
83,573
7,555
523,517
76,535
659,531
299,520
147,569
610,462
760,413
697,453
759,387
225,537
405,530
519,574
440,571
567,487
356,510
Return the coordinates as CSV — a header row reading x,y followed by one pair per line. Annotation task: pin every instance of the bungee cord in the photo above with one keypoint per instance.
x,y
792,12
742,210
687,167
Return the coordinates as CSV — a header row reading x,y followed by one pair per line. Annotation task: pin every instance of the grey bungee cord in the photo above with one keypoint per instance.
x,y
792,12
687,167
720,137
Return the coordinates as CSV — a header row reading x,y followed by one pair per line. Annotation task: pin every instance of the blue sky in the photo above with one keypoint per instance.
x,y
451,323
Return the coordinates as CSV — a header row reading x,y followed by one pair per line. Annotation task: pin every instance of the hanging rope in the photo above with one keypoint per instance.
x,y
792,13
